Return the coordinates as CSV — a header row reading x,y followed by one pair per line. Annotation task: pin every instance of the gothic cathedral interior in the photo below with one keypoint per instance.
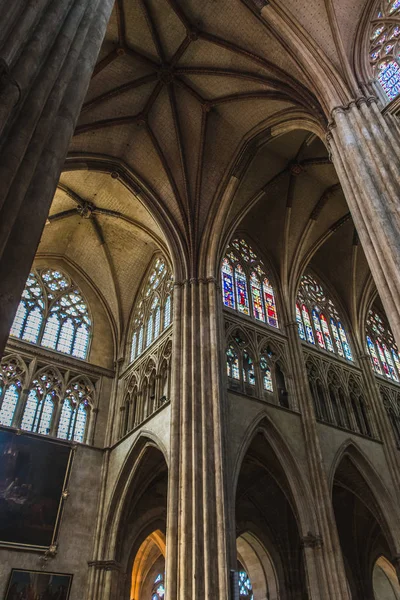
x,y
200,299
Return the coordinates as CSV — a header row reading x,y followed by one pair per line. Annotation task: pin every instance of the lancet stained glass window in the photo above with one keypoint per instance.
x,y
245,286
384,48
53,313
325,329
72,424
153,309
381,346
39,408
12,375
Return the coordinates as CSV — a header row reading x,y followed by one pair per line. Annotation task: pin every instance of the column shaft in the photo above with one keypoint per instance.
x,y
365,152
47,54
197,558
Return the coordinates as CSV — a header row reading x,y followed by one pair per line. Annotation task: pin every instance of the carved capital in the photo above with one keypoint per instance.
x,y
105,565
311,541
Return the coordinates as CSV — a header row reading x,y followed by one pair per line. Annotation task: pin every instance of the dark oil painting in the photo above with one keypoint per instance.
x,y
32,477
37,585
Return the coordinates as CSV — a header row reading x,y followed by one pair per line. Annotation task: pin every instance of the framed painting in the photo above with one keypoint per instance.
x,y
38,584
33,479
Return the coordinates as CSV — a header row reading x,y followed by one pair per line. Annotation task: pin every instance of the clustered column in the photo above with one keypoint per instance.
x,y
197,535
366,151
48,50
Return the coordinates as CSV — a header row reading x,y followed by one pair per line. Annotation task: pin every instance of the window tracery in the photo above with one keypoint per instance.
x,y
53,313
12,375
381,347
245,285
384,47
245,587
44,393
74,413
153,310
326,330
158,590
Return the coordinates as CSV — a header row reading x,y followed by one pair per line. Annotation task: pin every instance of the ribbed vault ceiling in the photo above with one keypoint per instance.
x,y
101,227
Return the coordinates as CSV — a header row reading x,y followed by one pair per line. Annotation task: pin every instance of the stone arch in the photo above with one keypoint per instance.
x,y
259,565
123,489
299,488
365,483
385,581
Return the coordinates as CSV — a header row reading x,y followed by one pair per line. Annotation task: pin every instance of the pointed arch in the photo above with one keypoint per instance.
x,y
298,485
383,507
122,490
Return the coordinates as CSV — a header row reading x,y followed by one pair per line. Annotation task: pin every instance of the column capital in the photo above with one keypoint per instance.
x,y
311,541
105,565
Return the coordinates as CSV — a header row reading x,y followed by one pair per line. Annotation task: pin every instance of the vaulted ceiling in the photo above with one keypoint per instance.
x,y
180,90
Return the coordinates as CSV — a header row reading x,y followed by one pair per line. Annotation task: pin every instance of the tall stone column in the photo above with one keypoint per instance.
x,y
197,528
322,551
365,149
48,49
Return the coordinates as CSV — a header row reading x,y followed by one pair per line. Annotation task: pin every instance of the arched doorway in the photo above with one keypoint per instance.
x,y
257,575
148,569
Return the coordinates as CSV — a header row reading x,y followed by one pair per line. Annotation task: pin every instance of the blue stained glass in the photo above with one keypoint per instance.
x,y
389,78
336,337
133,348
80,424
64,424
374,357
318,330
345,343
307,323
30,411
167,312
300,324
245,587
267,377
249,375
9,405
19,320
258,307
140,342
50,335
227,284
389,361
232,363
149,336
32,325
66,337
45,418
81,341
157,323
241,291
395,6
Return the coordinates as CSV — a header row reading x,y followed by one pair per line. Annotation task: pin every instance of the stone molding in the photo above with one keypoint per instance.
x,y
105,565
311,541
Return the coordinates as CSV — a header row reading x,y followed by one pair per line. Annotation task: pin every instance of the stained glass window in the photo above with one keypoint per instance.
x,y
266,375
326,326
12,375
232,363
242,271
78,398
384,50
53,313
158,589
249,375
300,323
241,290
227,284
8,404
245,587
39,409
153,308
381,347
